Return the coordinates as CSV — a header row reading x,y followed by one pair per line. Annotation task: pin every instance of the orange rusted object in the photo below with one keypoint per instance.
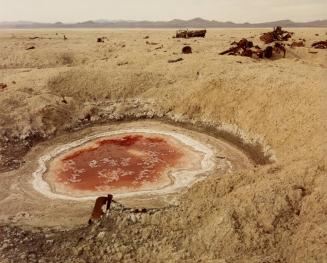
x,y
278,34
97,210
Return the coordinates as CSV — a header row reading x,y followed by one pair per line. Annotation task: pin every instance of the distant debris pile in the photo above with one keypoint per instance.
x,y
101,39
320,45
246,48
189,34
278,34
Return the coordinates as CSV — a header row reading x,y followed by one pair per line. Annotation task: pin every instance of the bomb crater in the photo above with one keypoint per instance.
x,y
124,163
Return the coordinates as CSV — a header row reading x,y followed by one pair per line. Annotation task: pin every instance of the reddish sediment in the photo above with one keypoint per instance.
x,y
130,161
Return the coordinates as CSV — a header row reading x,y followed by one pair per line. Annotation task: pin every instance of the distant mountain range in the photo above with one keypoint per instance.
x,y
176,23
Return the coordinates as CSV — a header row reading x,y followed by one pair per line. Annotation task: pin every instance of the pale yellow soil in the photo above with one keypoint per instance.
x,y
272,110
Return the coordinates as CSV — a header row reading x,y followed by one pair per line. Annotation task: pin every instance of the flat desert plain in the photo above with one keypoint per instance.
x,y
267,117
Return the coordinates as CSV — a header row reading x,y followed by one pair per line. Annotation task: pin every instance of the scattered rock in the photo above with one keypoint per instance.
x,y
122,63
151,43
3,86
49,241
64,100
30,48
187,50
159,47
101,235
175,60
146,37
133,218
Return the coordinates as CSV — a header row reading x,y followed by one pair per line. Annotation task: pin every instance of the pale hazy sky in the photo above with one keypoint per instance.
x,y
221,10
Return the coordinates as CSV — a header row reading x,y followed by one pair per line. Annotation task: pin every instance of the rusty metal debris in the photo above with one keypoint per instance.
x,y
246,48
278,34
175,60
243,48
297,44
187,50
101,39
3,86
109,200
320,45
189,34
268,52
279,48
97,210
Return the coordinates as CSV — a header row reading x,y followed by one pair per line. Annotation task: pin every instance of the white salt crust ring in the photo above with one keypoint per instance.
x,y
182,178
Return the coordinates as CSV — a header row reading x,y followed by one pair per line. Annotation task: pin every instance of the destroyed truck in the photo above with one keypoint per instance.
x,y
189,34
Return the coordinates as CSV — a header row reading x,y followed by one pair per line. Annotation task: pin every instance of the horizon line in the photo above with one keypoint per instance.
x,y
154,21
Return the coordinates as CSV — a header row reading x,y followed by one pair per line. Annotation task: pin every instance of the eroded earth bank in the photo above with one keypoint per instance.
x,y
265,200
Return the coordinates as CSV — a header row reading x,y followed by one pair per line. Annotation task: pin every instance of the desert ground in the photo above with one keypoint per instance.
x,y
269,115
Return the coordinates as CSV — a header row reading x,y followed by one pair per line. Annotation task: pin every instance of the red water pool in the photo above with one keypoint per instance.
x,y
130,161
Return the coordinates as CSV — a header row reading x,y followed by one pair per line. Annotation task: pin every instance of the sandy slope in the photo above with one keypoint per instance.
x,y
275,110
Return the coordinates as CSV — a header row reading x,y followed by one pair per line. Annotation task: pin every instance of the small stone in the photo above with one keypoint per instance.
x,y
119,256
133,218
49,241
101,235
187,50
